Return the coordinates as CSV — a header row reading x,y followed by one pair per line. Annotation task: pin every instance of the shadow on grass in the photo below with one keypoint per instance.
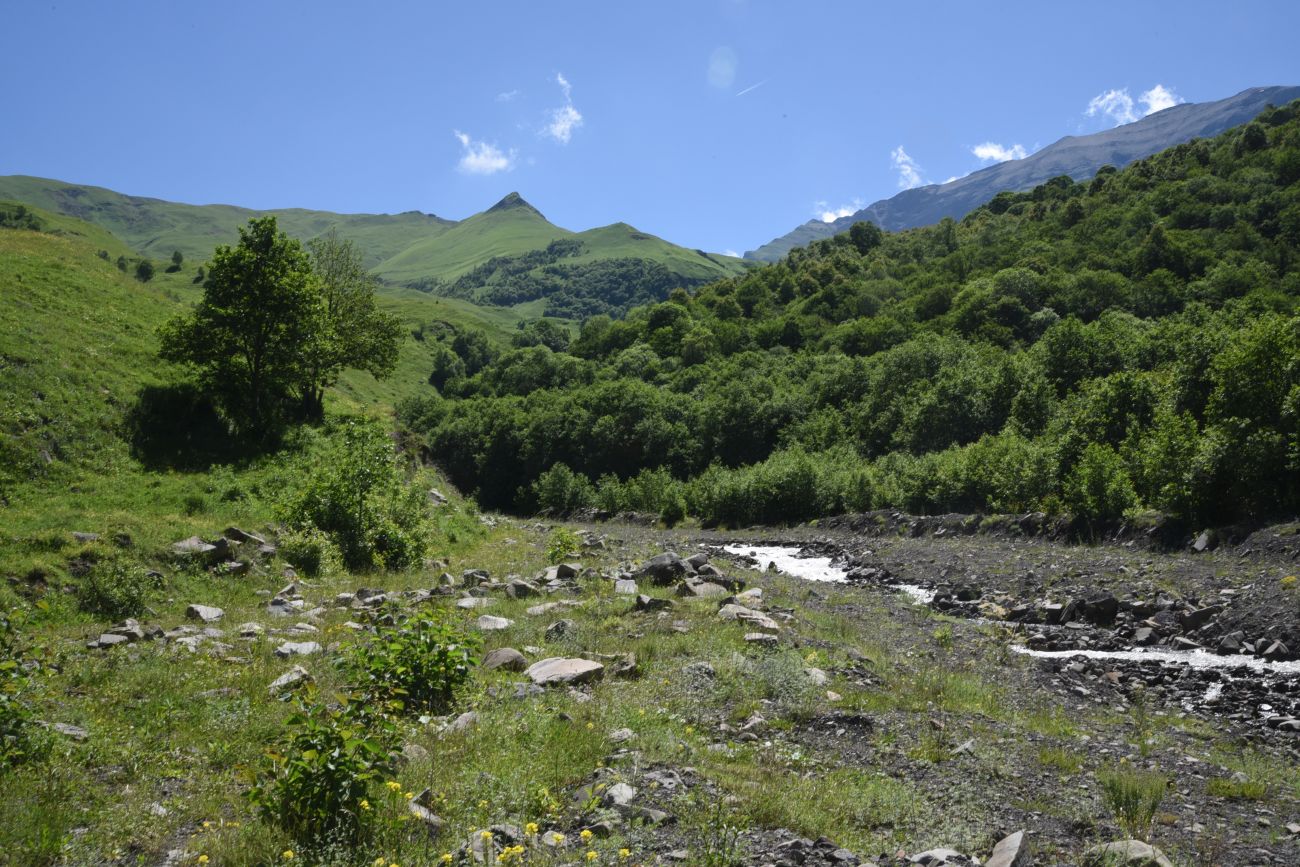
x,y
177,427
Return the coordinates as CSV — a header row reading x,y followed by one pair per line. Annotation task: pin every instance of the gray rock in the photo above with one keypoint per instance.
x,y
491,623
626,587
621,736
289,680
85,537
464,722
471,602
106,641
76,733
696,589
297,648
521,589
206,613
732,611
1126,853
561,629
251,629
940,856
664,569
762,639
1011,851
563,670
192,546
506,659
652,603
420,808
548,607
618,795
817,676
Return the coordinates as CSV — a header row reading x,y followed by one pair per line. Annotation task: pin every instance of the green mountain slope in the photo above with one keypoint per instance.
x,y
411,249
1103,348
155,227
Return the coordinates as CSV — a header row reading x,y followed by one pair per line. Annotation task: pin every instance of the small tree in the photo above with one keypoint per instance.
x,y
144,270
259,323
358,334
177,259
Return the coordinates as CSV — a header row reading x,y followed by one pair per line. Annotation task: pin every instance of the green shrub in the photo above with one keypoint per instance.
x,y
20,740
352,490
310,551
561,491
312,787
562,545
114,589
1133,797
1099,487
422,663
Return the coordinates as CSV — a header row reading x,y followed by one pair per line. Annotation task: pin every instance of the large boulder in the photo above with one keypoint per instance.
x,y
506,659
558,670
1126,853
1011,851
664,570
205,613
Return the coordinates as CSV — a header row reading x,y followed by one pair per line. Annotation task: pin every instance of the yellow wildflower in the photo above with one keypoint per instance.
x,y
203,859
592,855
590,726
207,825
482,805
365,805
586,834
486,835
409,795
557,837
625,853
446,858
379,862
287,854
530,828
394,786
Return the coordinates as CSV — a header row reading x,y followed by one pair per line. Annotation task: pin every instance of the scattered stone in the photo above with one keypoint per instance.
x,y
664,569
250,629
491,623
548,607
297,648
621,736
521,589
696,589
651,603
1011,851
192,546
76,733
205,613
289,680
941,856
817,676
563,670
85,537
626,587
561,629
106,641
420,808
762,639
506,659
618,795
1126,853
464,722
414,753
472,602
732,611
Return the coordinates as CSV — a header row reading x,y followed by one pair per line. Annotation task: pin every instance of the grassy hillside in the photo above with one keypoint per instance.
x,y
155,228
404,249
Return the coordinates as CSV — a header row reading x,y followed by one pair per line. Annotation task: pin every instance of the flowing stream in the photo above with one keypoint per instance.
x,y
788,559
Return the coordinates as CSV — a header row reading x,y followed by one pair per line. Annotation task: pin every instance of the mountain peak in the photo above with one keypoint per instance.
x,y
513,202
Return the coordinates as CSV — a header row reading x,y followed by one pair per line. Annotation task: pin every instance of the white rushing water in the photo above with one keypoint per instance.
x,y
788,560
1192,658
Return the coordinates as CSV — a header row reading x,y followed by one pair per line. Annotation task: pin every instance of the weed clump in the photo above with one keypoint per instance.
x,y
1133,797
114,589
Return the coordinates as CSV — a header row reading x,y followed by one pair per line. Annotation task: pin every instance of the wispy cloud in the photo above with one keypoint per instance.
x,y
828,214
508,95
1120,107
565,119
732,253
752,87
909,173
482,158
992,152
722,67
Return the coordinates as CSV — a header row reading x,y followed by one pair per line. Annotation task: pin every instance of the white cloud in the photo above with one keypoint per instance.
x,y
508,95
481,158
828,214
909,173
1159,98
722,67
1118,105
954,178
732,253
1115,104
565,119
992,152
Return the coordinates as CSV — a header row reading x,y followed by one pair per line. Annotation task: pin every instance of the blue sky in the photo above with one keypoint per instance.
x,y
716,124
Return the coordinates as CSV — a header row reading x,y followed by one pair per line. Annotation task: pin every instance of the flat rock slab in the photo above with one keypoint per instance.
x,y
297,648
732,611
472,602
626,587
1011,851
206,613
1126,853
192,545
506,659
564,670
492,623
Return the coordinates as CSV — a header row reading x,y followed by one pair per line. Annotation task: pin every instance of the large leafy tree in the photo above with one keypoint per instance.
x,y
261,320
358,334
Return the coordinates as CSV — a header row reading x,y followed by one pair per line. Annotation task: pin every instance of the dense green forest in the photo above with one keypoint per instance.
x,y
1096,348
573,290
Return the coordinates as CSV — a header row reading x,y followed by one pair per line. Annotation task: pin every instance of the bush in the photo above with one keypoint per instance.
x,y
423,663
114,589
310,551
561,491
562,545
313,786
354,493
20,740
1099,487
1133,797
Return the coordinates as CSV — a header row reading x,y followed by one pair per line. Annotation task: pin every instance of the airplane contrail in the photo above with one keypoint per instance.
x,y
752,87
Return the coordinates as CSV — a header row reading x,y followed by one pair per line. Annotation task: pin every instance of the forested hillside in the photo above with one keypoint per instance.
x,y
1101,348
